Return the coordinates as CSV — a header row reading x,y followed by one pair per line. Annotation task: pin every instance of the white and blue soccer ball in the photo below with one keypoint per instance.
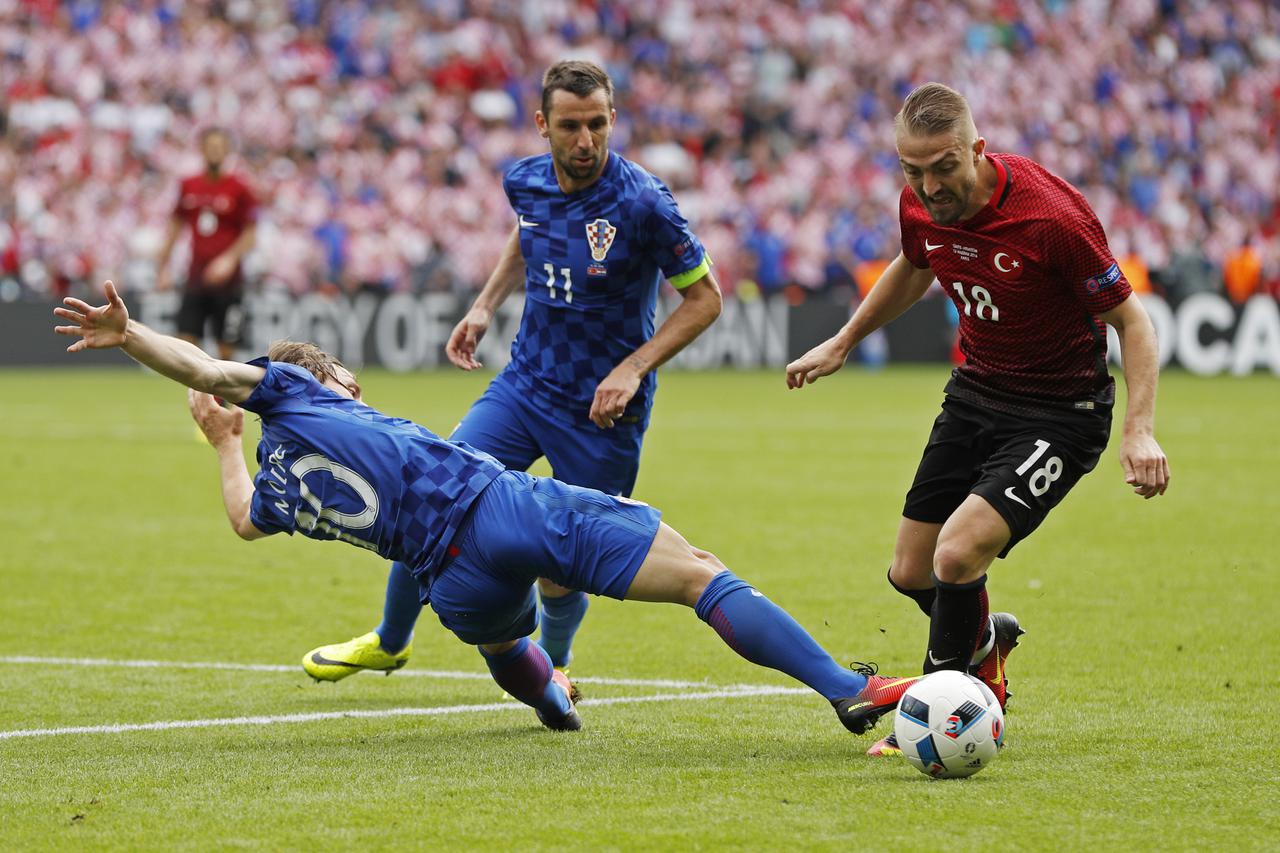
x,y
949,724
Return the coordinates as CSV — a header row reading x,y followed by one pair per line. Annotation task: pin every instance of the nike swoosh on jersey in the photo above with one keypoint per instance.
x,y
1008,493
929,247
525,223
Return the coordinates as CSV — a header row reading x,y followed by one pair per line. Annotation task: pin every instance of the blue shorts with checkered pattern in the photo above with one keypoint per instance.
x,y
522,528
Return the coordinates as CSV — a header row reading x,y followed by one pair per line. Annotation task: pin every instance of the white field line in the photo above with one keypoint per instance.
x,y
415,673
266,720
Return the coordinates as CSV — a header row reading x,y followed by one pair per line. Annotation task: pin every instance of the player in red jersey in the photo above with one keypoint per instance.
x,y
220,211
1024,259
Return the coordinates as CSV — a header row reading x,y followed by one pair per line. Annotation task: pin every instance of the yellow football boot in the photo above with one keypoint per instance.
x,y
336,662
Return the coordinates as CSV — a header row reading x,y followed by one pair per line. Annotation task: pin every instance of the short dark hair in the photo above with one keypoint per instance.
x,y
215,130
309,357
578,77
934,109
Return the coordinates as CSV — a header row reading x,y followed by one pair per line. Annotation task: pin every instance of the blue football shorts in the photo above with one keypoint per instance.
x,y
522,528
514,431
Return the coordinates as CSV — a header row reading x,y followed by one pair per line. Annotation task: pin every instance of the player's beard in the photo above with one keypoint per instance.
x,y
577,171
958,203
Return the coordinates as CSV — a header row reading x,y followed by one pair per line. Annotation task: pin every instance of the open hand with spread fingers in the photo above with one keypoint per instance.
x,y
98,328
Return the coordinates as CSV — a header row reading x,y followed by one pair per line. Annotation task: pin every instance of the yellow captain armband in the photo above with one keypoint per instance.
x,y
684,279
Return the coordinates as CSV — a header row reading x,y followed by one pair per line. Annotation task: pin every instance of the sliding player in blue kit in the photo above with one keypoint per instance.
x,y
595,234
474,535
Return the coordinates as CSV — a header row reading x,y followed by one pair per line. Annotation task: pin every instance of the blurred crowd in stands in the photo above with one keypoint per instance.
x,y
375,134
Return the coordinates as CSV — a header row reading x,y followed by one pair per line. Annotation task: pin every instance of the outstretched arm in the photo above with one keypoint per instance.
x,y
1144,463
700,308
223,428
897,289
109,326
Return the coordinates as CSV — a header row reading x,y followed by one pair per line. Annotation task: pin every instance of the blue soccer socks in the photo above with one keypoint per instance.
x,y
560,619
524,671
400,609
764,633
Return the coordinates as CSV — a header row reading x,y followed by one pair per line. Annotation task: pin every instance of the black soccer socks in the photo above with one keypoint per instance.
x,y
922,597
958,619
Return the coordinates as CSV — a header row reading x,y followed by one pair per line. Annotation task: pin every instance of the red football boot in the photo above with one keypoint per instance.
x,y
880,696
991,669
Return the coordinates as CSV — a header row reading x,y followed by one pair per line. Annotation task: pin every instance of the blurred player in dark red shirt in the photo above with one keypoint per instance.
x,y
1024,259
220,212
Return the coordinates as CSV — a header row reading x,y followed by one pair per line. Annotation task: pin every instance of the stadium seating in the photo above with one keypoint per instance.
x,y
376,134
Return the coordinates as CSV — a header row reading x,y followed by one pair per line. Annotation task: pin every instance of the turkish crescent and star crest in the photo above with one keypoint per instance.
x,y
600,236
1007,264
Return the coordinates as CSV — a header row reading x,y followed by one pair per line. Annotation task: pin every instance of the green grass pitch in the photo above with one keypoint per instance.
x,y
1146,692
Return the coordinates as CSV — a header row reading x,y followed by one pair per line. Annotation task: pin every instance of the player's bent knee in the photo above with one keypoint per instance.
x,y
695,574
692,579
673,571
498,648
550,589
711,560
910,574
957,563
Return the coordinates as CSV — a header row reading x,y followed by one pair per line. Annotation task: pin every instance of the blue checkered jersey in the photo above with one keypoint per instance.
x,y
593,263
333,468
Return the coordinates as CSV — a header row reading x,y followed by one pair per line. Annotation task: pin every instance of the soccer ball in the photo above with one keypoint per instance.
x,y
949,724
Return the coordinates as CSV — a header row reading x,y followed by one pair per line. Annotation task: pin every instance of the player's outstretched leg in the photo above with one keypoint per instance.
x,y
759,630
523,670
385,648
560,613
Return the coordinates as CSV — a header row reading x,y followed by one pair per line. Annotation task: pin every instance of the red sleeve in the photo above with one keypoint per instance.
x,y
1080,253
911,247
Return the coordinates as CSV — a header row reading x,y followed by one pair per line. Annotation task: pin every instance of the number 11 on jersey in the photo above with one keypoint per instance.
x,y
551,282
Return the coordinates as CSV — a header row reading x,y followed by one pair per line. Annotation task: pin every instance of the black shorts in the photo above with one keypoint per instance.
x,y
1022,466
219,308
